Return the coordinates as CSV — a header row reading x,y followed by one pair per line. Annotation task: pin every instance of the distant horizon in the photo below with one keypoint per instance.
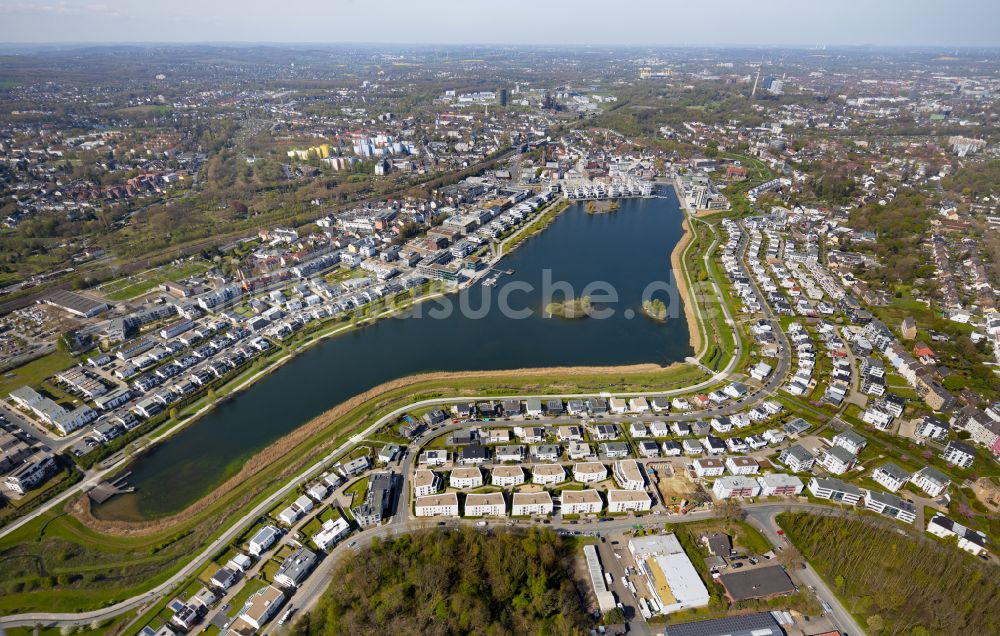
x,y
499,44
642,23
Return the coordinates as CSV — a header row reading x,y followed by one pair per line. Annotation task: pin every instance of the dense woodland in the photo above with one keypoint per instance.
x,y
458,582
975,179
898,584
900,226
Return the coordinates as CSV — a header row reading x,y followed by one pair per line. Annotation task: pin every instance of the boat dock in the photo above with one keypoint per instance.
x,y
108,489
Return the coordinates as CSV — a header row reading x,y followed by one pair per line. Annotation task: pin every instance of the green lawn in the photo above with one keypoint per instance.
x,y
345,273
139,284
34,372
357,492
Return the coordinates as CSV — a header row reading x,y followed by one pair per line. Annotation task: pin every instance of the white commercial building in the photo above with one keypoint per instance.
x,y
671,577
605,599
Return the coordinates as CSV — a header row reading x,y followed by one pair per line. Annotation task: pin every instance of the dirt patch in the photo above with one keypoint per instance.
x,y
675,486
80,507
988,493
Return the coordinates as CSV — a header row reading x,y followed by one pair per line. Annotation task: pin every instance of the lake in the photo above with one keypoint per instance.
x,y
629,249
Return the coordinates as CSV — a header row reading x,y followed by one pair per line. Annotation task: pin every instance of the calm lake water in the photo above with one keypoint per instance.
x,y
629,249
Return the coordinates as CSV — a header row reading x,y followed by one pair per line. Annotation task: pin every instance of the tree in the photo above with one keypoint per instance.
x,y
730,510
614,617
790,558
875,623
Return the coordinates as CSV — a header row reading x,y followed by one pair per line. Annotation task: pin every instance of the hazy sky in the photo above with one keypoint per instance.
x,y
605,22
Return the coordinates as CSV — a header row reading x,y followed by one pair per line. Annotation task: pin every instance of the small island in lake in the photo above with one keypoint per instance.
x,y
655,310
602,206
570,308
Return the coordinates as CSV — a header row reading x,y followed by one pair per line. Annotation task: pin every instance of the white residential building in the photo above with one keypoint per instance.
x,y
465,477
507,476
628,501
443,505
834,490
931,480
838,460
889,505
490,504
426,482
638,405
958,454
548,474
709,467
890,476
851,441
659,429
779,485
797,458
590,472
431,458
332,531
581,502
742,465
263,540
732,486
972,541
628,474
579,450
526,504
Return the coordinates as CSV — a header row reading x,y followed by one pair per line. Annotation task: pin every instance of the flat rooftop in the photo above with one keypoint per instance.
x,y
581,496
446,499
485,499
74,302
629,468
532,498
